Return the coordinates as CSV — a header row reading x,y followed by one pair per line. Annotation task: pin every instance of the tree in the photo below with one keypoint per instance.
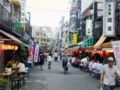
x,y
23,53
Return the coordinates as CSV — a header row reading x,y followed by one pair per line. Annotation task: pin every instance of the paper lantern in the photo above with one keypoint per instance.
x,y
16,48
12,47
6,47
9,47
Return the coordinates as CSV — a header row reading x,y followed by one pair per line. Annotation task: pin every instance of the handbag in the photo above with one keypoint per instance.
x,y
101,88
68,64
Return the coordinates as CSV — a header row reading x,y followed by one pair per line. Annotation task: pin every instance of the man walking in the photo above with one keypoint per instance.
x,y
56,56
108,74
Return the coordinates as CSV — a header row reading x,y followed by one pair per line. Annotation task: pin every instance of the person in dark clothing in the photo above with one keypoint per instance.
x,y
65,61
42,58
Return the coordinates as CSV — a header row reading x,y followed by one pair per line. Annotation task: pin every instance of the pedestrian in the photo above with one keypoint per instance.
x,y
42,58
49,59
56,56
65,61
108,74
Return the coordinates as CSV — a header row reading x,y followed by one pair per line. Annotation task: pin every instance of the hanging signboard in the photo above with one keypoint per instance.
x,y
109,18
116,49
89,27
18,25
36,53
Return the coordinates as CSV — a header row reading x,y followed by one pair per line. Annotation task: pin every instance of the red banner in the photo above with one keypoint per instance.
x,y
31,50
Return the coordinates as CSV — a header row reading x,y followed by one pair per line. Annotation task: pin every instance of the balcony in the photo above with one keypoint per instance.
x,y
16,2
5,17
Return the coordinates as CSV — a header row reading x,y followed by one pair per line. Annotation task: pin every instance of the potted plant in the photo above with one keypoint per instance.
x,y
3,83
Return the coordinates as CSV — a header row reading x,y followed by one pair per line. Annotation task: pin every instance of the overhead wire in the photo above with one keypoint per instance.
x,y
47,9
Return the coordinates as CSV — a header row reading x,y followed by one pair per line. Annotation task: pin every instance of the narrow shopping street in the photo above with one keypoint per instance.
x,y
54,79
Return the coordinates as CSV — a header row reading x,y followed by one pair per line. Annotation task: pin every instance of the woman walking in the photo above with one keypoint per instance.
x,y
42,58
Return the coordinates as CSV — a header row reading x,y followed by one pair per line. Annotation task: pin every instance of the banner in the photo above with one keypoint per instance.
x,y
31,50
36,53
116,49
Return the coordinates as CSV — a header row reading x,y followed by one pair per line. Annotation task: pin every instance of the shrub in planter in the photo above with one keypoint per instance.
x,y
3,83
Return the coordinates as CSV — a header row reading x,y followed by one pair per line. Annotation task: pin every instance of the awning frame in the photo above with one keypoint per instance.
x,y
13,38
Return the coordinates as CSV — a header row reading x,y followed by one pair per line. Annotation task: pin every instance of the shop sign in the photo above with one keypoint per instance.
x,y
89,27
109,18
18,25
74,39
23,10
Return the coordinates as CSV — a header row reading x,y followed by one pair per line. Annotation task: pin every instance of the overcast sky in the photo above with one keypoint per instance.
x,y
47,18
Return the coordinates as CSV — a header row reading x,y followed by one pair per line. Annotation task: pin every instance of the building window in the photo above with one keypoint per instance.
x,y
37,34
44,39
37,39
41,39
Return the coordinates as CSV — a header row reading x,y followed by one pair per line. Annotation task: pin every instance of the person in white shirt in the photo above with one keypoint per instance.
x,y
49,59
73,60
94,68
99,67
56,56
84,61
90,64
21,67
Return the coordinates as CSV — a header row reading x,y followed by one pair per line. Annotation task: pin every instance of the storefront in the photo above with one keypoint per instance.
x,y
8,46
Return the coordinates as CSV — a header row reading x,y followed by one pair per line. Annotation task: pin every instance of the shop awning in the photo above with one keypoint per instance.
x,y
99,42
104,49
80,43
108,49
75,48
10,36
107,45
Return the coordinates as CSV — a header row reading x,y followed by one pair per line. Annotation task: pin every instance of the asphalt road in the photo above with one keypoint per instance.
x,y
55,79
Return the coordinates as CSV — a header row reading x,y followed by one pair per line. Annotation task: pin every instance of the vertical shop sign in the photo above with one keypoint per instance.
x,y
116,49
36,53
89,27
23,10
74,39
109,18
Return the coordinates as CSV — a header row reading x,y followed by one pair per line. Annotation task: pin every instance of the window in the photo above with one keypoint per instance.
x,y
37,39
44,39
41,39
37,33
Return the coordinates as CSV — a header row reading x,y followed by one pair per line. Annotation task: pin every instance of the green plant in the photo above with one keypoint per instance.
x,y
3,82
23,53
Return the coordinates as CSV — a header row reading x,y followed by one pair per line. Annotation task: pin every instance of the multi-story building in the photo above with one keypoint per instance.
x,y
75,13
12,30
44,36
